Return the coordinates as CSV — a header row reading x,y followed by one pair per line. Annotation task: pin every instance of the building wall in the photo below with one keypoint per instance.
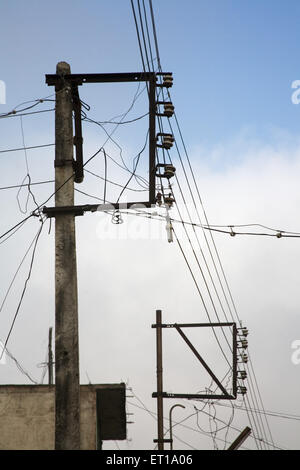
x,y
27,417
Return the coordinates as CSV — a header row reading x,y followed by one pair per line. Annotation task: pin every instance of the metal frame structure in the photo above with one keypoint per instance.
x,y
76,80
225,395
160,394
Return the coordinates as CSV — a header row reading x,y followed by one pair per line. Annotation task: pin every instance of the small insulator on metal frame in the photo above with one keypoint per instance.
x,y
167,140
169,170
168,109
169,200
167,80
159,199
242,390
243,344
243,332
243,358
242,374
116,218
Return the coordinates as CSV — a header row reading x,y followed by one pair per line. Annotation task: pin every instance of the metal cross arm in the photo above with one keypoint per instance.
x,y
81,209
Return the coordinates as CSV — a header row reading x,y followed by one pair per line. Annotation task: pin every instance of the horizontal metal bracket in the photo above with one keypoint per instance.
x,y
81,209
194,396
162,440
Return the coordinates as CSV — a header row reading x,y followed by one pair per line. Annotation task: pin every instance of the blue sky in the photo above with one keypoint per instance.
x,y
233,63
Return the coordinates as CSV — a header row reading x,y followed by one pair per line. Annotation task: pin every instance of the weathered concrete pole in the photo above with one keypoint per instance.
x,y
67,399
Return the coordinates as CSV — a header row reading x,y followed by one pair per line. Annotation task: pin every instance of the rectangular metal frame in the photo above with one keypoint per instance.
x,y
225,395
80,79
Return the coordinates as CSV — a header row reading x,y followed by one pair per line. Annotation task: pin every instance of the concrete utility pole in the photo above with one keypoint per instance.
x,y
67,399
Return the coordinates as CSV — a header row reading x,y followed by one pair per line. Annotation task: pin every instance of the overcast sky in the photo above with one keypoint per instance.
x,y
234,63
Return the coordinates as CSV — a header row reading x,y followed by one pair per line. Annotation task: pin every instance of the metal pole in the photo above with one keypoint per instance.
x,y
159,371
50,358
240,439
170,423
67,400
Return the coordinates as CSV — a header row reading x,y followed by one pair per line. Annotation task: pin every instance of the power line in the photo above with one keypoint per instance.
x,y
160,69
275,414
27,114
161,218
20,367
25,284
114,183
123,122
25,185
26,148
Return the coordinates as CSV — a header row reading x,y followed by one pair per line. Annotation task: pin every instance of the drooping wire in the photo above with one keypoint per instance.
x,y
136,159
19,366
25,285
30,193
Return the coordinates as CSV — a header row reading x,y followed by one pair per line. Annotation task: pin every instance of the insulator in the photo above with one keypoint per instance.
x,y
169,200
167,141
168,109
242,390
244,358
243,332
167,80
242,374
117,218
159,199
243,343
169,170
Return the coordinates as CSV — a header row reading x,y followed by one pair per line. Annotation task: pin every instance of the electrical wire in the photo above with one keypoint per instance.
x,y
28,114
113,182
25,185
26,148
15,227
20,367
30,193
156,45
25,285
222,270
123,122
136,159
